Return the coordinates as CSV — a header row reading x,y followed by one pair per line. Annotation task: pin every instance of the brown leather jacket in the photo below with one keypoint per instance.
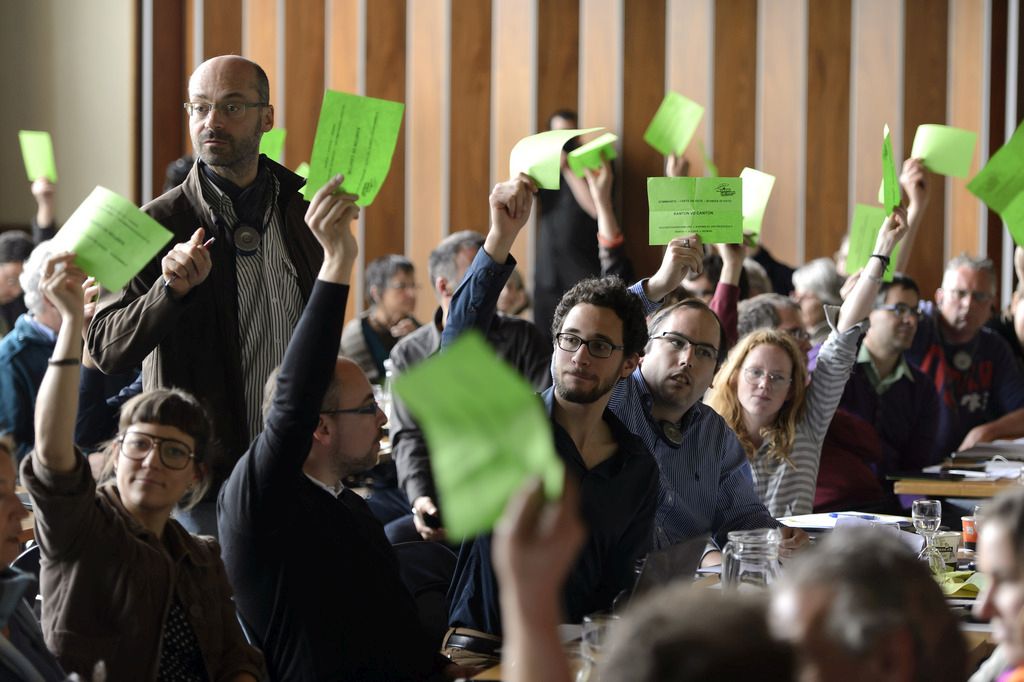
x,y
108,583
194,343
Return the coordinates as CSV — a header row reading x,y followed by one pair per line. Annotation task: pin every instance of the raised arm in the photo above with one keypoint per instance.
x,y
725,302
578,186
861,299
683,255
44,224
57,401
915,183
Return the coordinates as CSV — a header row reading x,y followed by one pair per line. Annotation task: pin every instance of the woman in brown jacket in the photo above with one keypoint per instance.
x,y
121,581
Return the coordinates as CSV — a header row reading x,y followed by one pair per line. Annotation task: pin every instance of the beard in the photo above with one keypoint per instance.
x,y
585,396
235,152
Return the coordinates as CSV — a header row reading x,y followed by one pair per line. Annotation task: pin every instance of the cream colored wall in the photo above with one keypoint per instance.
x,y
69,69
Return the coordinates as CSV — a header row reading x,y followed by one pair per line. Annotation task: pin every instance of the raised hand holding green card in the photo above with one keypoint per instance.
x,y
37,152
945,150
757,188
540,156
272,144
867,221
674,124
1000,184
486,429
889,192
111,238
355,136
709,207
592,154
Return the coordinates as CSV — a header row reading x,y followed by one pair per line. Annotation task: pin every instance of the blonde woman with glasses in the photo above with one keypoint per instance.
x,y
780,417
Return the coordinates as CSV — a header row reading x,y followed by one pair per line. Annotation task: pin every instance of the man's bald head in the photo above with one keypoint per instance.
x,y
231,64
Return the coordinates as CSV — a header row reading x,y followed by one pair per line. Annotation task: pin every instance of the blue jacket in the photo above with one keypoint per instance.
x,y
23,356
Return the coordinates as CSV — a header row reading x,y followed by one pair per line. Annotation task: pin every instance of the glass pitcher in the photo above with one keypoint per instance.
x,y
751,558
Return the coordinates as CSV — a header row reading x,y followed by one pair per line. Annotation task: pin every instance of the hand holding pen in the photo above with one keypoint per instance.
x,y
187,264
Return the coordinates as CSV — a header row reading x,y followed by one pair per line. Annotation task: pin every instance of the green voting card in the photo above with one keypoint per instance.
x,y
272,144
867,221
1000,184
486,429
945,150
302,170
112,239
674,124
757,188
37,151
709,207
355,136
889,192
710,169
592,153
540,156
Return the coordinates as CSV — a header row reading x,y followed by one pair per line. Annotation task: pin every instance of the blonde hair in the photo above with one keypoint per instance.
x,y
724,397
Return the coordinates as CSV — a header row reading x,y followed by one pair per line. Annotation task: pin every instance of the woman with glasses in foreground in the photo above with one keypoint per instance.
x,y
121,581
780,418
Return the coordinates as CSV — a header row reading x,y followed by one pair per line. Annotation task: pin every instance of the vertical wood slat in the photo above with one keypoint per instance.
x,y
170,89
304,56
924,97
425,128
876,94
470,117
735,85
600,72
967,110
828,126
385,78
222,27
558,49
261,45
992,224
782,125
689,42
643,90
513,93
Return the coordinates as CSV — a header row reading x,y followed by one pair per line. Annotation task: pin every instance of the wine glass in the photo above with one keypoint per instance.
x,y
927,515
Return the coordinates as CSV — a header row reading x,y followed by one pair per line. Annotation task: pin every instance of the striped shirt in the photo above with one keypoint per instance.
x,y
788,489
269,300
705,483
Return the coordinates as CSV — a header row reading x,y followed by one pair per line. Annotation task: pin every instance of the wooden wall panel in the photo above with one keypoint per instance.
x,y
828,126
470,107
343,56
222,27
876,93
426,132
558,49
782,126
643,90
924,96
992,224
261,46
170,89
304,82
967,109
513,95
600,83
689,42
385,78
735,84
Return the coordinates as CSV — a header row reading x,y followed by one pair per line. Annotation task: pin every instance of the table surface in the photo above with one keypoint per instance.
x,y
966,487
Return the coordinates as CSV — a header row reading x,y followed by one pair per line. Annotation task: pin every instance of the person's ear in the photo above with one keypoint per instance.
x,y
268,117
441,287
938,296
629,365
374,294
322,432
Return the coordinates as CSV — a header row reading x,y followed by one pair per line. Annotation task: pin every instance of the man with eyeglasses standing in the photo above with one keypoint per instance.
x,y
980,386
213,312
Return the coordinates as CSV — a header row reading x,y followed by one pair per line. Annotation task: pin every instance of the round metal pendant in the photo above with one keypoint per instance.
x,y
671,432
247,238
962,360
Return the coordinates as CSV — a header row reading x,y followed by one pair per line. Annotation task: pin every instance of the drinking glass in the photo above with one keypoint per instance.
x,y
597,628
927,515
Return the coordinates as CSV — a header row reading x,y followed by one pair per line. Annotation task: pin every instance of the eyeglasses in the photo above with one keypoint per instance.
x,y
369,408
976,296
755,375
403,286
680,344
234,110
173,453
599,348
901,310
797,333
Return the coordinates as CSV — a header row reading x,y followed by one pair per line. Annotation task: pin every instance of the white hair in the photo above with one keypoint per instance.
x,y
32,275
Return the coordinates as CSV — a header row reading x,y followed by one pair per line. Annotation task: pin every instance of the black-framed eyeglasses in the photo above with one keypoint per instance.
x,y
200,110
599,348
798,334
976,296
901,310
681,343
173,453
369,408
755,375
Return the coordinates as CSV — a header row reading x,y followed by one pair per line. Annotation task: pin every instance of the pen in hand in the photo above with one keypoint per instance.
x,y
206,245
